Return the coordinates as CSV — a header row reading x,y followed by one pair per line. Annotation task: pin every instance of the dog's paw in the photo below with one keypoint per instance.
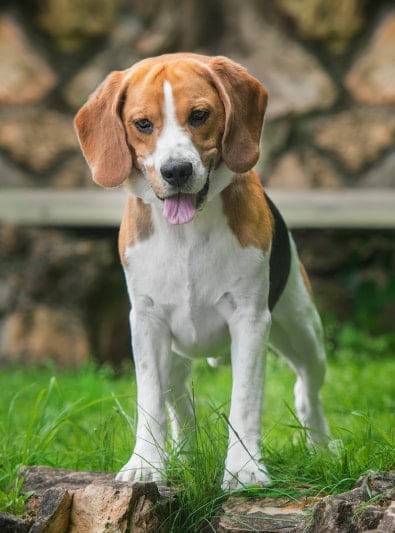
x,y
240,477
139,469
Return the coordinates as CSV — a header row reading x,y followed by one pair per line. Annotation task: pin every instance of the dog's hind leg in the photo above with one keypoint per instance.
x,y
297,334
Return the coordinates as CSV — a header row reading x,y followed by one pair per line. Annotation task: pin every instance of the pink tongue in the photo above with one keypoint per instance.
x,y
179,209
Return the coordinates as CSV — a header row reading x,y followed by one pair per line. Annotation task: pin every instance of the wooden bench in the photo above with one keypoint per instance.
x,y
347,208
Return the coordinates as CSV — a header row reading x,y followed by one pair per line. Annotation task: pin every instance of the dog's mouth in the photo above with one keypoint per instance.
x,y
181,208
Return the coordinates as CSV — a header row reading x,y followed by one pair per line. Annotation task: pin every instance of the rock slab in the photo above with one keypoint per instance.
x,y
90,502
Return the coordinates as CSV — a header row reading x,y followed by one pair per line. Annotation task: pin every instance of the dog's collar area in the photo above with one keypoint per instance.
x,y
202,195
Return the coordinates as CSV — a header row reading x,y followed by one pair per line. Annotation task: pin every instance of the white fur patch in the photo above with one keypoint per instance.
x,y
174,144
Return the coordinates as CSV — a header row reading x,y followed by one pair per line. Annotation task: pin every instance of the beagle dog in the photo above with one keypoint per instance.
x,y
210,267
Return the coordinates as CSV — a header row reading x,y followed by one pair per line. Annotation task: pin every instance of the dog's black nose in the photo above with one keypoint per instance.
x,y
176,173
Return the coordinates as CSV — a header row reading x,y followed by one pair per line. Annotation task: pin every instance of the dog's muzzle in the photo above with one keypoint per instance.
x,y
181,207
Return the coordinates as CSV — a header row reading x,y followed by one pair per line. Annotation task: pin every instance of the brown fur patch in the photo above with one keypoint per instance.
x,y
136,225
247,211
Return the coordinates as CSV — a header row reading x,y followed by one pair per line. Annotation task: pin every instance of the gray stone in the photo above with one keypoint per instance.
x,y
359,509
30,335
273,141
53,515
371,79
382,175
306,171
296,82
64,295
73,173
357,137
86,502
71,22
119,54
11,175
262,515
288,173
39,479
37,137
25,76
333,21
101,504
13,524
387,523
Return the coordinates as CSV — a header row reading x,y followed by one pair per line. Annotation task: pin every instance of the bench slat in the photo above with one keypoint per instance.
x,y
347,208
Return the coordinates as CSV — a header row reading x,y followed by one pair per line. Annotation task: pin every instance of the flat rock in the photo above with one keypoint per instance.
x,y
71,23
73,173
288,173
13,524
303,171
28,335
382,175
333,21
119,54
296,81
371,78
53,512
262,515
387,523
11,175
24,74
360,509
87,502
357,137
39,479
36,137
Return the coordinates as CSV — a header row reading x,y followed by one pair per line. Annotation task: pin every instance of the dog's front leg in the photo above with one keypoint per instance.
x,y
249,340
151,349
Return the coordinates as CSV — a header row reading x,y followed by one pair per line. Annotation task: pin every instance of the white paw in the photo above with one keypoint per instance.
x,y
139,469
239,477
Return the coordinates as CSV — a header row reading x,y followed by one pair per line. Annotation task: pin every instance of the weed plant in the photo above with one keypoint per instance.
x,y
85,420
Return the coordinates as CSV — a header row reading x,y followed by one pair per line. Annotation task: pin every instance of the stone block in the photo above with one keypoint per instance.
x,y
303,171
72,22
371,79
99,504
357,137
13,524
53,514
296,81
25,75
262,515
36,137
30,336
93,502
333,21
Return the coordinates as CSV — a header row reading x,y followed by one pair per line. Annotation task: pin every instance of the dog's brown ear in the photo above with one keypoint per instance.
x,y
244,99
102,135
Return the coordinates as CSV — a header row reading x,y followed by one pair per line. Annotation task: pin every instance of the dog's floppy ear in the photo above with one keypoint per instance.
x,y
244,99
102,135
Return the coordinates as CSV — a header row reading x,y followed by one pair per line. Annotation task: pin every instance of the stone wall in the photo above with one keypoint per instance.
x,y
329,66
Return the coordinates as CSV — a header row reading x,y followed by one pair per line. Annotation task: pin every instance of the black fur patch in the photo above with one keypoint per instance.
x,y
280,257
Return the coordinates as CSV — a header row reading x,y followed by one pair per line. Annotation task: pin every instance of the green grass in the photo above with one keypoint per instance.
x,y
84,419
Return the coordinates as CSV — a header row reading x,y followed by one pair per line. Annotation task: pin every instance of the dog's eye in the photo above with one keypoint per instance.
x,y
198,117
144,125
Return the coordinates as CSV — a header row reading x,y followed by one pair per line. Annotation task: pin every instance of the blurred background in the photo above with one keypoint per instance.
x,y
329,67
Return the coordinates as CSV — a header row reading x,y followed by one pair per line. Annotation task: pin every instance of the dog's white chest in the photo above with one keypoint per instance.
x,y
193,278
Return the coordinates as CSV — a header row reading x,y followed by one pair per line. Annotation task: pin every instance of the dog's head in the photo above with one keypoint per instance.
x,y
166,123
